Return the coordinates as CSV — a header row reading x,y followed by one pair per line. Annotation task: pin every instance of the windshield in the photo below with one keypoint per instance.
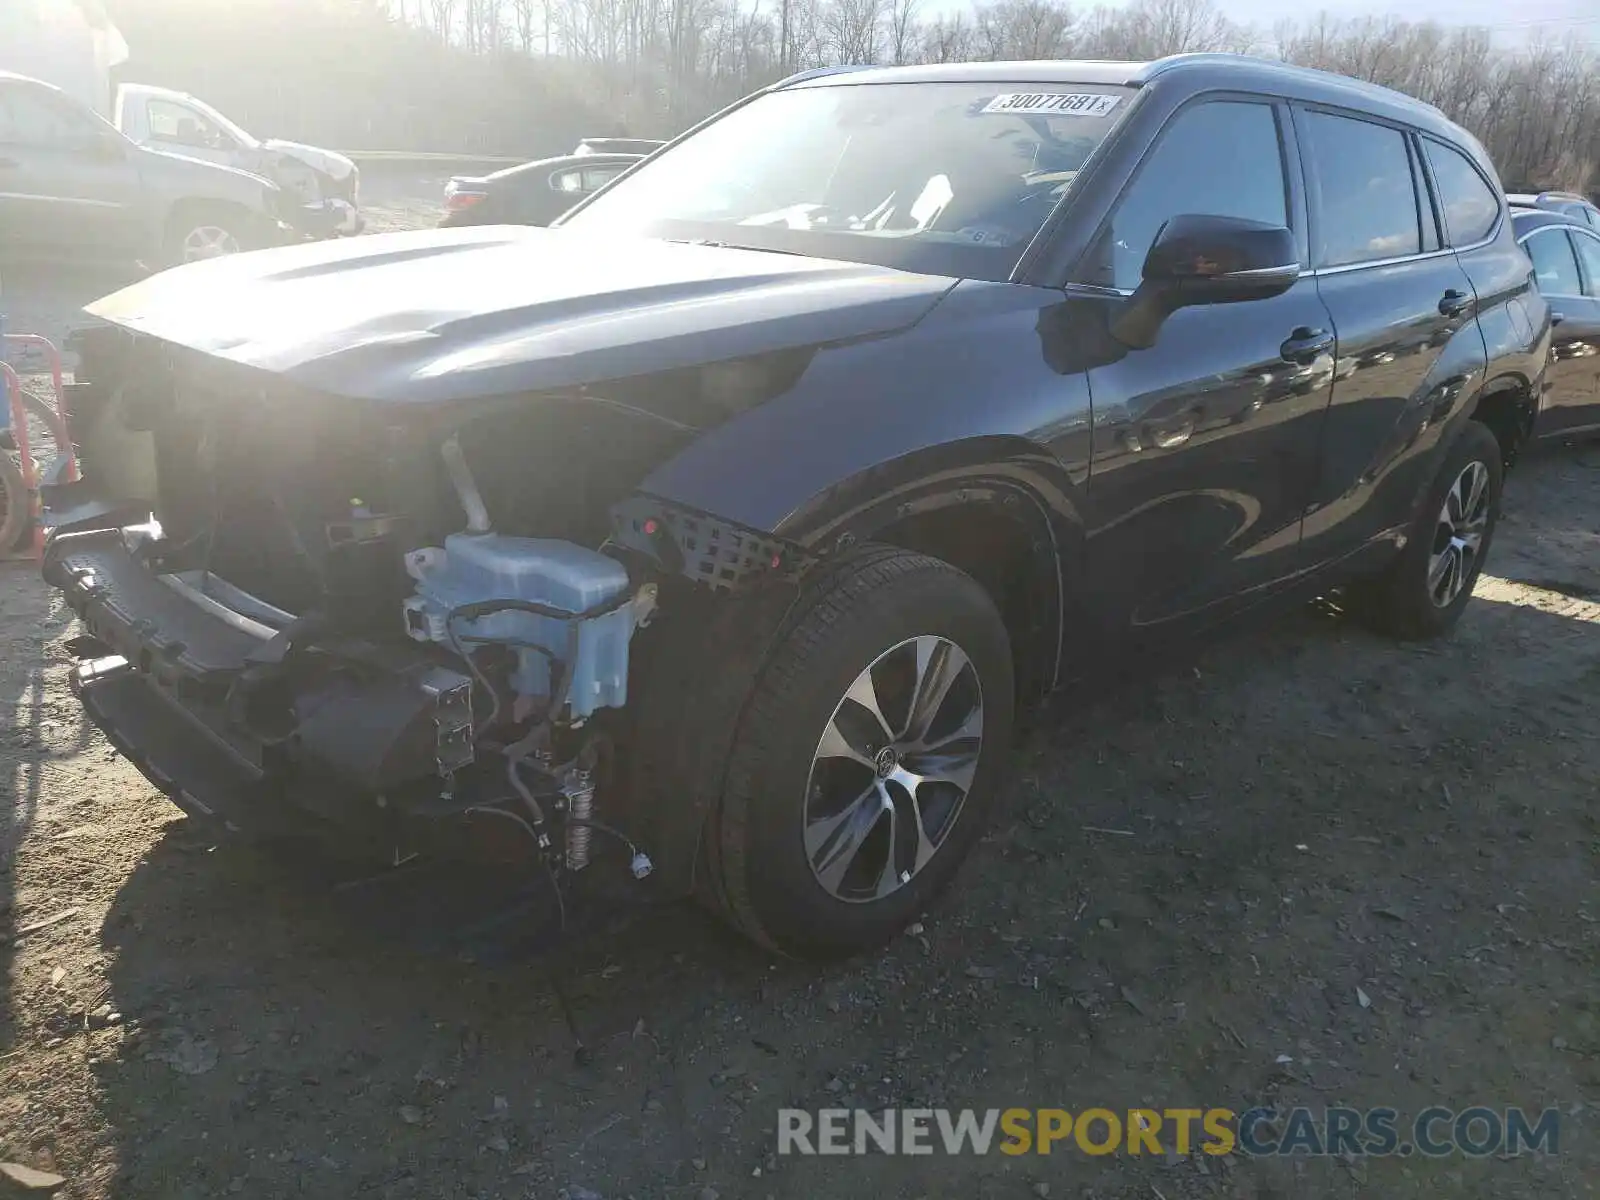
x,y
943,178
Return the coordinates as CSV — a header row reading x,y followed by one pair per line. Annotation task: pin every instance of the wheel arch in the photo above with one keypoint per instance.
x,y
246,223
944,503
1001,509
1509,405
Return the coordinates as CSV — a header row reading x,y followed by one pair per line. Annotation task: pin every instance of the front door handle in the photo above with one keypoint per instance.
x,y
1556,319
8,164
1304,345
1455,303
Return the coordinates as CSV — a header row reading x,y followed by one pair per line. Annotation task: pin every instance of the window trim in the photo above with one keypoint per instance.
x,y
1583,272
1294,197
1577,262
1494,190
1420,188
1298,108
1427,193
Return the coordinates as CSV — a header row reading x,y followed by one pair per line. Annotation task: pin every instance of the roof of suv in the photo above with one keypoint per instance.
x,y
1205,72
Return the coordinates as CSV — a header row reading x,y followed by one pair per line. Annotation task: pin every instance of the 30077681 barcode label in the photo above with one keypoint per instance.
x,y
1064,104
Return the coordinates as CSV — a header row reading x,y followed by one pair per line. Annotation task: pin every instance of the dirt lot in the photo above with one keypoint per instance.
x,y
1297,818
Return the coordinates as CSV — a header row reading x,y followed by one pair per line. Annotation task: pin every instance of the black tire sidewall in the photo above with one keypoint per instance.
x,y
1418,610
793,911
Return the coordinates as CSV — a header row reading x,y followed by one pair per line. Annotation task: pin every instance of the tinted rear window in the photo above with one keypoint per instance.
x,y
1469,203
1367,193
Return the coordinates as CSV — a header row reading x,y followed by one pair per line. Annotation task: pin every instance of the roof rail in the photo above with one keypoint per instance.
x,y
1277,66
815,73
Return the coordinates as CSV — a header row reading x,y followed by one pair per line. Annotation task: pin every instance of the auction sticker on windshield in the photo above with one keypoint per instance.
x,y
1070,104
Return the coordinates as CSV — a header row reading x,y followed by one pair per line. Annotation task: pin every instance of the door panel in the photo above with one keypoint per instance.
x,y
1409,346
1204,449
1575,348
1402,363
65,180
1204,443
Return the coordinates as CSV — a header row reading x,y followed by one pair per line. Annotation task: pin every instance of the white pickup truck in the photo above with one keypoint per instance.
x,y
327,183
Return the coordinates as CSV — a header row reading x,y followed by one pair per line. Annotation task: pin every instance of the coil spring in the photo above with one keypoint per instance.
x,y
579,791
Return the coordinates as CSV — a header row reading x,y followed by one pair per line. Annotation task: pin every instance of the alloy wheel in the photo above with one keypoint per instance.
x,y
1458,536
208,241
893,768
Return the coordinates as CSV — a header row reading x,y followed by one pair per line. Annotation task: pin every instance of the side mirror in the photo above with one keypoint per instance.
x,y
1198,259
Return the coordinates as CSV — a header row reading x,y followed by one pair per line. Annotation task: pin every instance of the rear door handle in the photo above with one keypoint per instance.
x,y
8,164
1305,345
1556,319
1454,303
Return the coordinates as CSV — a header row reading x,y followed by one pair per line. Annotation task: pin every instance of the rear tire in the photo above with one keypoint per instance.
x,y
835,829
1423,592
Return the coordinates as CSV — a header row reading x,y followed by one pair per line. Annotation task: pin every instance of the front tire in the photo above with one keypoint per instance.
x,y
197,232
863,770
1424,591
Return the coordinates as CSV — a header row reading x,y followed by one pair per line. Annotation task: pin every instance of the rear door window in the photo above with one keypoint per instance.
x,y
1553,263
1366,191
1470,205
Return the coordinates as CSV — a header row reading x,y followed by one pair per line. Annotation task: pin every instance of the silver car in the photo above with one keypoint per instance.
x,y
71,185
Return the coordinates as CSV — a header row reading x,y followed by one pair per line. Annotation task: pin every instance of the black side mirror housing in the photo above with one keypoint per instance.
x,y
1203,259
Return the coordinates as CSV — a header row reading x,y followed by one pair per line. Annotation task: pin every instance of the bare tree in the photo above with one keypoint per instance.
x,y
657,65
903,30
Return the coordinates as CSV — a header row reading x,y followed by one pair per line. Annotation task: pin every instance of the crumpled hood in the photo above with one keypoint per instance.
x,y
330,163
457,313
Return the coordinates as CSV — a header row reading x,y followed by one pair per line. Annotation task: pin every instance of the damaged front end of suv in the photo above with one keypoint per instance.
x,y
368,616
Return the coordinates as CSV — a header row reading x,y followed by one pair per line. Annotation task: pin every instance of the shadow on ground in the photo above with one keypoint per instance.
x,y
1197,877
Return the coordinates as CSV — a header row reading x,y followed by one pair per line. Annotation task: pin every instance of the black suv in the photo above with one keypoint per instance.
x,y
724,524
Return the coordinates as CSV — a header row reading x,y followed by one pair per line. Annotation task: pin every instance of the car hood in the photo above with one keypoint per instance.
x,y
189,167
460,313
332,164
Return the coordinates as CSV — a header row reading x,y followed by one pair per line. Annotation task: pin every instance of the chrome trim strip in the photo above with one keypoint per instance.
x,y
1262,272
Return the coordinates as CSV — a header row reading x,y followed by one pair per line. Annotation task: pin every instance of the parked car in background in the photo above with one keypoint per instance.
x,y
326,184
724,524
1568,204
618,145
1566,263
72,185
534,193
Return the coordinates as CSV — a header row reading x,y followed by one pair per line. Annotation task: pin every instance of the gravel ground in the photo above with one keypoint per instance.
x,y
1328,870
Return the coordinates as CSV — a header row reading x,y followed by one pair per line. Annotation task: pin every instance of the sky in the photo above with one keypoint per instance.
x,y
1513,20
1556,15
